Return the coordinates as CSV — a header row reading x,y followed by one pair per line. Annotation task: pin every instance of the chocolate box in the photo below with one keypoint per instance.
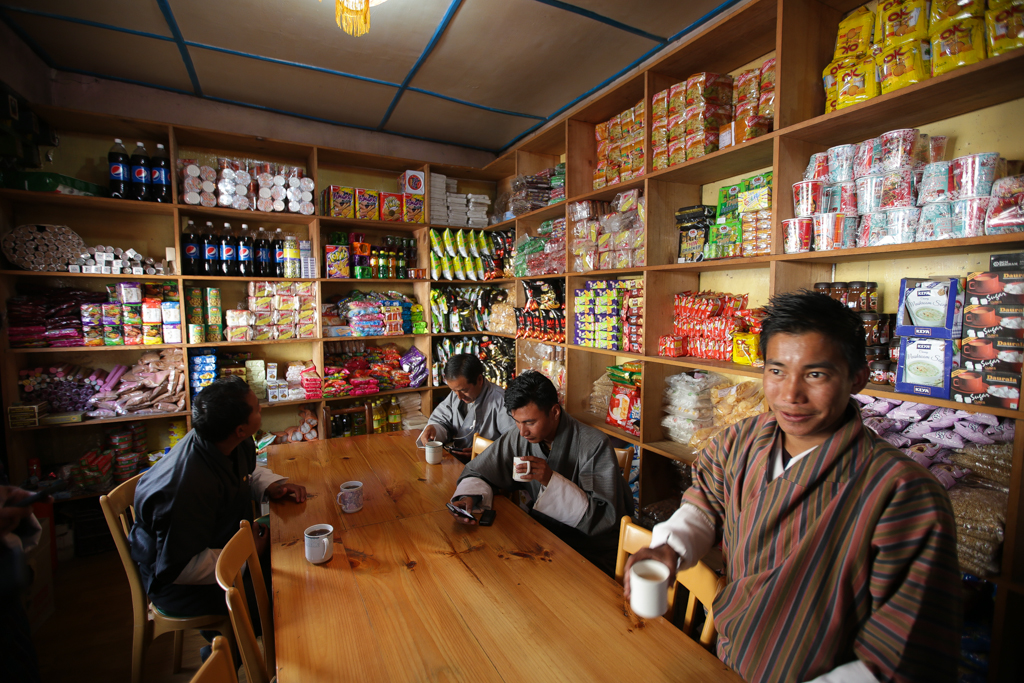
x,y
987,388
931,307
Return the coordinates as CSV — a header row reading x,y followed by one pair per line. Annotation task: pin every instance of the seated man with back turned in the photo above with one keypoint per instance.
x,y
840,550
474,406
189,505
575,485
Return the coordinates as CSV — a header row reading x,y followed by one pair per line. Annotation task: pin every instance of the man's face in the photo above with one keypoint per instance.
x,y
466,391
255,418
536,425
808,386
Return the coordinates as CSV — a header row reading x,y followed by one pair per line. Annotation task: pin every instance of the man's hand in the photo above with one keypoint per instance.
x,y
278,490
428,433
11,517
539,470
663,553
461,453
466,503
261,537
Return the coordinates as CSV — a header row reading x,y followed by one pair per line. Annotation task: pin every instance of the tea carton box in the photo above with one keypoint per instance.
x,y
931,307
994,388
925,366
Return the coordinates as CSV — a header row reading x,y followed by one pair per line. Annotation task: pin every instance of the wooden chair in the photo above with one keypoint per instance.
x,y
218,667
480,444
352,410
150,623
631,539
625,458
703,585
237,553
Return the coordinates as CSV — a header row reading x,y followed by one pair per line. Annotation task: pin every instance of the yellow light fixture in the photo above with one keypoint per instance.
x,y
353,16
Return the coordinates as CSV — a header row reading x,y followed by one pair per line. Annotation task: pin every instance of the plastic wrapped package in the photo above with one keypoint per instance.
x,y
1006,207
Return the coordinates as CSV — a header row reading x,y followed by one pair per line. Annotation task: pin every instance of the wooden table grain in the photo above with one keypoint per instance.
x,y
413,595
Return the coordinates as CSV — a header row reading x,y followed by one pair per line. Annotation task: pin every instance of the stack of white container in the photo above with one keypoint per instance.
x,y
438,205
477,210
458,211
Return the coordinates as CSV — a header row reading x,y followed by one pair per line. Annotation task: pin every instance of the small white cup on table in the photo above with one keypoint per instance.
x,y
319,543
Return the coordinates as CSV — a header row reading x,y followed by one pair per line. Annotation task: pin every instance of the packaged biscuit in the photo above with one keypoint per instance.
x,y
855,33
659,133
659,105
728,201
392,206
214,332
338,202
960,44
264,333
768,74
152,334
1005,29
902,65
708,88
884,6
677,99
905,23
945,12
368,204
857,83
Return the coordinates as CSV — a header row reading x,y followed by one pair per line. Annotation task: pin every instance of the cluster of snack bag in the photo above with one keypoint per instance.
x,y
607,236
136,313
373,314
699,406
908,41
542,254
740,225
355,369
620,147
464,309
497,354
713,325
469,254
624,403
543,316
609,315
274,310
532,192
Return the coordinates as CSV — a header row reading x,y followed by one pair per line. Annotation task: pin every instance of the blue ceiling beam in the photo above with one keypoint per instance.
x,y
186,58
27,39
434,40
86,22
474,104
557,4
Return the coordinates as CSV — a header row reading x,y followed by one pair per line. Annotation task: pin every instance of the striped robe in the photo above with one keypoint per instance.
x,y
851,553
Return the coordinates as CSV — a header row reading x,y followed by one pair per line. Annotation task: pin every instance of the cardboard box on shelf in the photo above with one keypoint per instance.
x,y
993,287
996,353
925,366
986,388
931,307
994,320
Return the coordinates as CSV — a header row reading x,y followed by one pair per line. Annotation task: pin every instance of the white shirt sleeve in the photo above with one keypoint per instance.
x,y
689,532
851,672
562,500
475,486
261,479
201,569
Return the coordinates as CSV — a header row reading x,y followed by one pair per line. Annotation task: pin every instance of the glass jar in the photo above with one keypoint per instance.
x,y
870,322
871,299
872,354
858,297
823,288
879,369
840,291
890,376
894,350
886,327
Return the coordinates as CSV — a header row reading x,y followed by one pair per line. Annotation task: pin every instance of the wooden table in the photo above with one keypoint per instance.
x,y
413,595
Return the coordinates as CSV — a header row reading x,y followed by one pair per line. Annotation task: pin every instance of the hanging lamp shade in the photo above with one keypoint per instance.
x,y
353,16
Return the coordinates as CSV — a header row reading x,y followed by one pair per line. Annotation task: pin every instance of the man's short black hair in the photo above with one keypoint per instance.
x,y
530,387
807,311
464,365
221,407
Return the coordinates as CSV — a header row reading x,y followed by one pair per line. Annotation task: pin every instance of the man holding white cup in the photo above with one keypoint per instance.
x,y
840,550
567,469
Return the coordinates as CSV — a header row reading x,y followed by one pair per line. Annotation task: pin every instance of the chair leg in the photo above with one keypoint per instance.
x,y
179,642
138,653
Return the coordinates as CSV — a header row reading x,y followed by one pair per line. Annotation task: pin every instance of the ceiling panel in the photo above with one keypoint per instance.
x,y
104,52
304,31
662,18
431,117
138,15
553,57
291,89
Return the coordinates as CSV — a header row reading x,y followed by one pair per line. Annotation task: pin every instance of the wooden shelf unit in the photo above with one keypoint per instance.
x,y
800,34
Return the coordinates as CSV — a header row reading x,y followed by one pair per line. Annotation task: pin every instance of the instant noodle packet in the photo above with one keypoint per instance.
x,y
960,44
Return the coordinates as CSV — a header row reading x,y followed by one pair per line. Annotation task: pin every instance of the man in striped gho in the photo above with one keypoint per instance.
x,y
840,550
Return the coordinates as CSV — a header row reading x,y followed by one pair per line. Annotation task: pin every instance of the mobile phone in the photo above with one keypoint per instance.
x,y
487,518
460,512
39,495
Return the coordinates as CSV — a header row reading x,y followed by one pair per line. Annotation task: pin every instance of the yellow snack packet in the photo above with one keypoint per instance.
x,y
855,33
746,349
1005,29
944,12
962,43
883,8
902,65
857,83
906,23
1003,4
831,72
832,98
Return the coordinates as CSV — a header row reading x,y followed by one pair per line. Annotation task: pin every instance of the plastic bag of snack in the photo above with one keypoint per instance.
x,y
1005,29
659,105
747,86
905,23
945,12
857,84
768,74
902,65
1006,208
436,242
855,33
959,44
448,240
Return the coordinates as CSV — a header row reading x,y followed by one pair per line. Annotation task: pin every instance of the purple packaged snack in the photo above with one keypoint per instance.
x,y
981,418
946,437
918,430
972,431
897,440
1001,433
863,400
944,475
876,409
941,418
921,459
880,425
911,411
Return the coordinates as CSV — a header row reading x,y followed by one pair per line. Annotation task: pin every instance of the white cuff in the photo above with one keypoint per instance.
x,y
562,501
200,570
261,479
475,486
441,434
851,672
688,531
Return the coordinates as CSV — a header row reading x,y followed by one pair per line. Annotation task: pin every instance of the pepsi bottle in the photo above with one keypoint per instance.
x,y
191,248
245,260
277,247
228,252
120,170
211,250
160,176
140,173
261,254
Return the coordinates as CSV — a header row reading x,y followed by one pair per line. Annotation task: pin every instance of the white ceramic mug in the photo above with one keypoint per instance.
x,y
434,451
648,588
351,497
319,543
517,475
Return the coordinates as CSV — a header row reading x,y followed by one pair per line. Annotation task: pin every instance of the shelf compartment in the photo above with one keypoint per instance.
x,y
102,421
599,424
496,281
673,450
306,340
745,157
911,249
376,338
76,349
463,334
256,217
279,404
27,198
354,223
359,281
61,273
884,391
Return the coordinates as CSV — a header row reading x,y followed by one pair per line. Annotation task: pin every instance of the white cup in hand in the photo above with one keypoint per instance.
x,y
516,474
648,588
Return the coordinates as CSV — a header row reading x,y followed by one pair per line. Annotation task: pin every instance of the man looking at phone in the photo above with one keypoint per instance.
x,y
474,406
567,469
841,550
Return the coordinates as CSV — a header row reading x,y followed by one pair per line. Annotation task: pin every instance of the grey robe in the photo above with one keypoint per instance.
x,y
580,454
458,421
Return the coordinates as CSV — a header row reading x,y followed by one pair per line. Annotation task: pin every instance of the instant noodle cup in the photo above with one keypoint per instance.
x,y
898,189
945,12
869,193
934,186
972,175
936,148
960,44
840,163
1005,29
901,225
828,231
841,197
867,158
855,33
858,83
936,222
905,23
817,167
807,196
850,226
1006,208
797,235
872,225
969,216
899,148
902,65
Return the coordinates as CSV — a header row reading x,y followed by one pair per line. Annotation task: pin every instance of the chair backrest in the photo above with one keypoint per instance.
x,y
480,444
119,510
352,410
703,585
218,667
237,553
625,458
632,538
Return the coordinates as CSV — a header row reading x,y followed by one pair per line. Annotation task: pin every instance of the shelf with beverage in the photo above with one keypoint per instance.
x,y
229,252
26,197
208,213
89,422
